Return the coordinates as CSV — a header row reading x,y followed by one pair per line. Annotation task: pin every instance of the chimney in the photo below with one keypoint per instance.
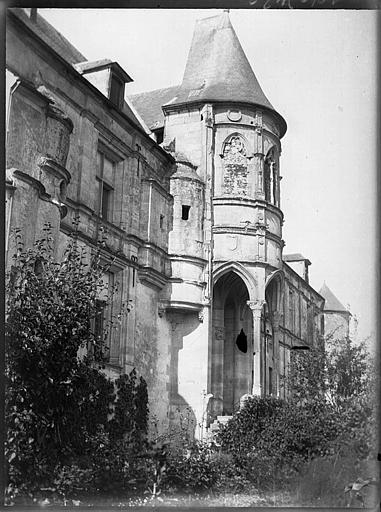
x,y
32,13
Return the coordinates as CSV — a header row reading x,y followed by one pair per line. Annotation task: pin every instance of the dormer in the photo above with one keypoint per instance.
x,y
298,263
108,77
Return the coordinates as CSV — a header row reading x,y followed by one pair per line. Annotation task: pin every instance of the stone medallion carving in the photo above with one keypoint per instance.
x,y
234,115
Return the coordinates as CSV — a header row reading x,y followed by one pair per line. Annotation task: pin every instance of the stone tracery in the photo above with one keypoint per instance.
x,y
235,166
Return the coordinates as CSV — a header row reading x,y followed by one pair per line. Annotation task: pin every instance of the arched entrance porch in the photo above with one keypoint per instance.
x,y
232,345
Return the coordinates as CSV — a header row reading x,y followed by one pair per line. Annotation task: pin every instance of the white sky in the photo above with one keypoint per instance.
x,y
318,69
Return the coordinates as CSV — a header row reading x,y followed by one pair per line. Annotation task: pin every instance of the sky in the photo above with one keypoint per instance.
x,y
318,69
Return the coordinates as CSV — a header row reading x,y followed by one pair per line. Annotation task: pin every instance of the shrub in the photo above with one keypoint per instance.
x,y
57,405
192,470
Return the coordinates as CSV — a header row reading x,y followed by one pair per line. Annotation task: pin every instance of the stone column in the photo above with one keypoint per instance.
x,y
256,308
276,321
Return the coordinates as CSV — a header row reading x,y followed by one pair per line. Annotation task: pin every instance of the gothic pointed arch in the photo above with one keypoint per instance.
x,y
241,271
271,175
273,291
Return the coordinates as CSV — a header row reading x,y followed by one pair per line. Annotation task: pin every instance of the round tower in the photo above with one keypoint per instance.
x,y
221,120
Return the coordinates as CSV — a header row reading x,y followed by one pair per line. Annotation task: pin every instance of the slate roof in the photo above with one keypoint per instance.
x,y
149,104
217,70
217,67
50,36
296,256
332,303
55,40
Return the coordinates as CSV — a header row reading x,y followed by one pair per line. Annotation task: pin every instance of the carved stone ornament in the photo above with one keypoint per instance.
x,y
219,333
201,316
234,115
234,149
161,310
256,305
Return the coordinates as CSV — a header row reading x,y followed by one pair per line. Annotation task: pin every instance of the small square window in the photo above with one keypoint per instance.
x,y
185,212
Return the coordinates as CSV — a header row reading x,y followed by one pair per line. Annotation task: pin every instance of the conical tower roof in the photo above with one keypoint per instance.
x,y
217,69
332,303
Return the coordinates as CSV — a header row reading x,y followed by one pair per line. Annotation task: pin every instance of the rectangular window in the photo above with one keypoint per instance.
x,y
270,381
161,221
104,186
101,323
291,310
185,212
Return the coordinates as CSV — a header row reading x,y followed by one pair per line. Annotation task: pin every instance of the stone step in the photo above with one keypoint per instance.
x,y
218,422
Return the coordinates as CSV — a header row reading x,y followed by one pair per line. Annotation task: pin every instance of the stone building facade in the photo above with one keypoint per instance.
x,y
185,181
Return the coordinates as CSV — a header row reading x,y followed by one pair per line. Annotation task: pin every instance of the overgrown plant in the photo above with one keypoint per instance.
x,y
57,402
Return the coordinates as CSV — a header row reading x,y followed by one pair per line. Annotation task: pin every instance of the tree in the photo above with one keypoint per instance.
x,y
55,400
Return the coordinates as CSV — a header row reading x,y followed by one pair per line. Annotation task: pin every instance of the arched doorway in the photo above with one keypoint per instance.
x,y
231,368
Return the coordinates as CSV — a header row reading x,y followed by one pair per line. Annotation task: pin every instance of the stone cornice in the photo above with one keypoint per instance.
x,y
152,277
247,201
56,61
184,305
201,262
55,168
159,188
261,230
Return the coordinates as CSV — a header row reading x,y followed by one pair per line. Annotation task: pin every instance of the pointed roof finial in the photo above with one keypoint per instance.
x,y
217,69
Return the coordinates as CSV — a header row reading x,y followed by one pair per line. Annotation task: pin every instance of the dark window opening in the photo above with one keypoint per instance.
x,y
159,135
185,212
133,277
270,381
161,221
106,201
116,91
241,341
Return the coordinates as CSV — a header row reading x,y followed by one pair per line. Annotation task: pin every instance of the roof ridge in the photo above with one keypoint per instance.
x,y
154,91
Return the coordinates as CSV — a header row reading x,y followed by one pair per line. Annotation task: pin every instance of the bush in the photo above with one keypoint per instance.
x,y
58,407
192,470
324,481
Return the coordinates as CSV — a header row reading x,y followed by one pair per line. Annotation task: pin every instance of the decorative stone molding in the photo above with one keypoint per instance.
x,y
234,115
161,309
256,305
201,316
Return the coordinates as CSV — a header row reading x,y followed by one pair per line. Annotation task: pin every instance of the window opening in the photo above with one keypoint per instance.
x,y
161,221
270,381
104,182
185,212
159,135
291,309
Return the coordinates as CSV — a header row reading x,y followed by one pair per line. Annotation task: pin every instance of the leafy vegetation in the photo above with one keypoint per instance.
x,y
323,434
71,430
68,426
